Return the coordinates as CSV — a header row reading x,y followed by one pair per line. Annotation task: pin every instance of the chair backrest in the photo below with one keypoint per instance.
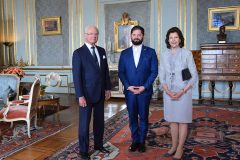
x,y
33,96
8,83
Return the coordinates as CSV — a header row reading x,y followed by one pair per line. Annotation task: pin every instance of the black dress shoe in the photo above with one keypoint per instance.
x,y
133,147
102,149
84,156
141,147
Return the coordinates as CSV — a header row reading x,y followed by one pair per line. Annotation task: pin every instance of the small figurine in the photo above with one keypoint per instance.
x,y
222,36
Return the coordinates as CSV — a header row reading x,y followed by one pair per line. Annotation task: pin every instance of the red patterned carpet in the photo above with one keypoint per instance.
x,y
15,139
214,134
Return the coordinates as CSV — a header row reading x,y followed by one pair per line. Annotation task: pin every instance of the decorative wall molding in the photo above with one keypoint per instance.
x,y
76,30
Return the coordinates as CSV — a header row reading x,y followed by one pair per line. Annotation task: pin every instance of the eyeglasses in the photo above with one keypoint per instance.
x,y
92,34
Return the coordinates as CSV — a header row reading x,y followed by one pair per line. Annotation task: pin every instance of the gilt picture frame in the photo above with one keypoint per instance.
x,y
122,33
51,25
223,16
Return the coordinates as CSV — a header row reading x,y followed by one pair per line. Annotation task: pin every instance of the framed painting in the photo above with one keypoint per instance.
x,y
122,33
51,25
223,16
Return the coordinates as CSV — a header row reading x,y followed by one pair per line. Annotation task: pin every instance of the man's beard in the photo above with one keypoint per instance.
x,y
137,41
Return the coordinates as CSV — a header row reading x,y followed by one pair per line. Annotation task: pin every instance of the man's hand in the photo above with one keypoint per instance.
x,y
107,94
133,89
140,89
82,102
136,89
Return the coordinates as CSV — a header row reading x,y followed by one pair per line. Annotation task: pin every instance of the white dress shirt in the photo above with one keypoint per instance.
x,y
136,53
96,51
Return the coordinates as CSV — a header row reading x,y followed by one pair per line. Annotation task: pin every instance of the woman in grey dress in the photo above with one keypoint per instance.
x,y
177,96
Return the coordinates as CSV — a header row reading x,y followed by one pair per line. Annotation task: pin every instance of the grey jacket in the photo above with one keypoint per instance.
x,y
183,60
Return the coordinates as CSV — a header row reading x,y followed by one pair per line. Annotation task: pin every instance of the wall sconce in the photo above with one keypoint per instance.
x,y
10,58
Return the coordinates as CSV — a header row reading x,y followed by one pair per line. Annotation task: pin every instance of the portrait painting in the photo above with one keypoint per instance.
x,y
124,36
51,25
223,16
122,33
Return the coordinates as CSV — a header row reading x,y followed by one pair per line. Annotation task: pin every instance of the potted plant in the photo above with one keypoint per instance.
x,y
42,89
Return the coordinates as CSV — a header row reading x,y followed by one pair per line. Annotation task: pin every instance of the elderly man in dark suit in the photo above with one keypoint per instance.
x,y
92,86
138,68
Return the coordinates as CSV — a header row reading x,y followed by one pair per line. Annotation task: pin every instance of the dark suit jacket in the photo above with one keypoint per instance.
x,y
142,75
90,81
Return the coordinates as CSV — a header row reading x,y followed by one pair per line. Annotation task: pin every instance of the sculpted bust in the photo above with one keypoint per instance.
x,y
222,36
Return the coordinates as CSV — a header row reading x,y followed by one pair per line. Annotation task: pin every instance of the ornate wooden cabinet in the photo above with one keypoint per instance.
x,y
220,58
220,62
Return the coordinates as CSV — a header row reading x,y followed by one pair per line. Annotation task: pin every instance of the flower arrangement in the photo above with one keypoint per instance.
x,y
52,80
53,77
13,70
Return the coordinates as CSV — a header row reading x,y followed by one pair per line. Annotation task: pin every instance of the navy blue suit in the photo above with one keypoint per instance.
x,y
90,81
142,75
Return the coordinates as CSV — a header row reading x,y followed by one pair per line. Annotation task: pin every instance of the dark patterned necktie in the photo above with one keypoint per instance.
x,y
94,55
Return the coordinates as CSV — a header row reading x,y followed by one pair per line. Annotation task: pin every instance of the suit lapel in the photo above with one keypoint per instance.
x,y
90,57
100,58
143,52
132,57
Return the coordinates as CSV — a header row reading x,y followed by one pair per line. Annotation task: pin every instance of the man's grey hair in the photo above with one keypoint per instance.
x,y
90,26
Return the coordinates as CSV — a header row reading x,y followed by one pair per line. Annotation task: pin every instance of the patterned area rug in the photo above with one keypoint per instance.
x,y
15,139
112,126
214,134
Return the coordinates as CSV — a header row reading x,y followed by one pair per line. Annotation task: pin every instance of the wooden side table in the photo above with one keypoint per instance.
x,y
212,78
49,100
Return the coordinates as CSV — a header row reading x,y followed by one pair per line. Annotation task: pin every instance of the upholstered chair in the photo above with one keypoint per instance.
x,y
24,111
9,83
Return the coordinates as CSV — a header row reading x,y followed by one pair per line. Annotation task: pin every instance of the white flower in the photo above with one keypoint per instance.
x,y
53,77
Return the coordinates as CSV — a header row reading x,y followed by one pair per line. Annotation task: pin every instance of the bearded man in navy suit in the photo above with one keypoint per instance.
x,y
92,86
138,68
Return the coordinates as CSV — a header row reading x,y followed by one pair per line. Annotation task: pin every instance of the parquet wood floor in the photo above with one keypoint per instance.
x,y
52,144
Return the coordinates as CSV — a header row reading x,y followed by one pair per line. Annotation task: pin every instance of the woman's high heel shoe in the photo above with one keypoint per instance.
x,y
174,158
169,154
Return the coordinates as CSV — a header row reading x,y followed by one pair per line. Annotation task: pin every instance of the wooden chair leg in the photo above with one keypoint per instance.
x,y
35,121
44,111
28,128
